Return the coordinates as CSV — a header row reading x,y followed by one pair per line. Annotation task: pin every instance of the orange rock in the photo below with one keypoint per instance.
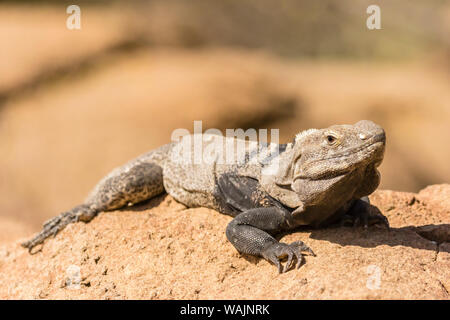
x,y
162,250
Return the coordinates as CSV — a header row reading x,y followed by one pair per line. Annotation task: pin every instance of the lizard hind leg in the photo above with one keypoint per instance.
x,y
129,184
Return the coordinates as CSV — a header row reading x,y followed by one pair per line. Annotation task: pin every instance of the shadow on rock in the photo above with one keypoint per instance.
x,y
410,236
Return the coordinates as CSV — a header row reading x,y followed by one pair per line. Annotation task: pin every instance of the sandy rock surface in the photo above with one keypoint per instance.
x,y
163,250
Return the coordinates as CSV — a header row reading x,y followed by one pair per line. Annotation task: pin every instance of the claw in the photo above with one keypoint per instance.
x,y
287,266
309,250
278,251
300,261
302,247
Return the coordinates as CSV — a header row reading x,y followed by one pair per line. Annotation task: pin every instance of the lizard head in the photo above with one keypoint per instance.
x,y
340,149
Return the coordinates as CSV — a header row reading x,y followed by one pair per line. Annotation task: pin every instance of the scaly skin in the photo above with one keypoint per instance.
x,y
322,177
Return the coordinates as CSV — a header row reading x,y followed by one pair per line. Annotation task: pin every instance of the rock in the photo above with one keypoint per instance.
x,y
162,250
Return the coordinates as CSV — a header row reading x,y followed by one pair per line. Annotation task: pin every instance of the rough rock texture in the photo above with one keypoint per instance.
x,y
162,250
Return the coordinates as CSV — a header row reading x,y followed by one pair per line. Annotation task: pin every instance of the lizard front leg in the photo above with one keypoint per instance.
x,y
251,232
362,213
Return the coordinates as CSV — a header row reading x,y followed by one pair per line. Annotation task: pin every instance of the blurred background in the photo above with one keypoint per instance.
x,y
74,104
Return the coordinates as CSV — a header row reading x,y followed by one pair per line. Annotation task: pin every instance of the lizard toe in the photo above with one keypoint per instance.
x,y
51,228
365,219
293,252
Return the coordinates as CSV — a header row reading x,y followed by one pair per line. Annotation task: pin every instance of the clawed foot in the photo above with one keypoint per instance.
x,y
279,251
56,224
371,216
51,228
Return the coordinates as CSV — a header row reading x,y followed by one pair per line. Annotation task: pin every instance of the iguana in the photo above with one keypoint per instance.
x,y
324,176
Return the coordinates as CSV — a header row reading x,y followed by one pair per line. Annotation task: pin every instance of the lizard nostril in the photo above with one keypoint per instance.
x,y
362,136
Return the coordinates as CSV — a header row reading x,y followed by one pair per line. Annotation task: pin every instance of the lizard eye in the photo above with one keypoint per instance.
x,y
331,139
